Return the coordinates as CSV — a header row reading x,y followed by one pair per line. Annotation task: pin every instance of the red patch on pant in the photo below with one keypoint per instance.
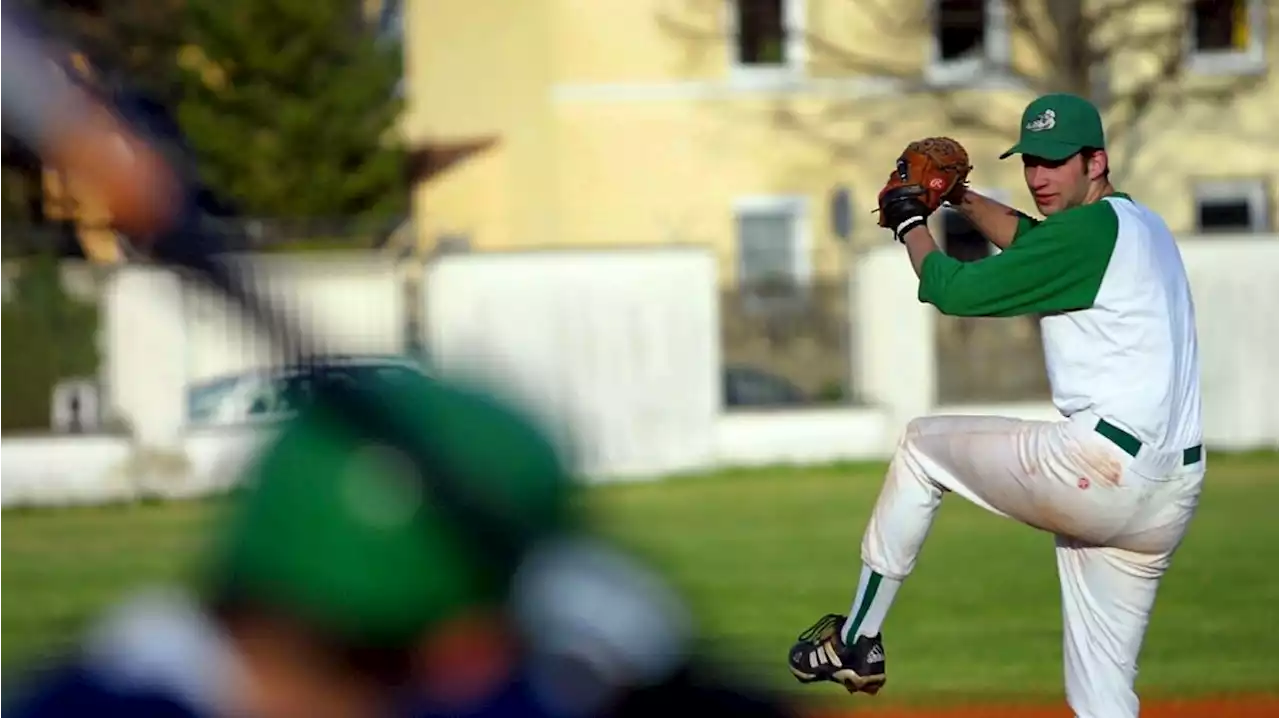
x,y
1083,483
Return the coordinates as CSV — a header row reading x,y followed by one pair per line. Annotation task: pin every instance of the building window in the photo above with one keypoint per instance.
x,y
1226,36
774,266
969,38
961,29
1220,25
762,32
767,35
1234,207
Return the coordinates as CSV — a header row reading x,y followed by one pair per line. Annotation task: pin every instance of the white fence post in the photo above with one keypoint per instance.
x,y
619,349
895,362
144,367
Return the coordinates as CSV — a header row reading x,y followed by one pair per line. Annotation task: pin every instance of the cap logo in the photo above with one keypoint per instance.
x,y
381,487
1044,121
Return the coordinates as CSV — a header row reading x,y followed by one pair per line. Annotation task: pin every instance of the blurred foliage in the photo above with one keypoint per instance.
x,y
51,336
137,39
20,185
290,106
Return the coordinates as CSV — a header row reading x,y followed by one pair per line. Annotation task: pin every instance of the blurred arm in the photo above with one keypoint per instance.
x,y
44,110
38,99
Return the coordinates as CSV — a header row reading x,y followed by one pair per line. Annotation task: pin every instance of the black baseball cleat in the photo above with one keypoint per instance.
x,y
821,655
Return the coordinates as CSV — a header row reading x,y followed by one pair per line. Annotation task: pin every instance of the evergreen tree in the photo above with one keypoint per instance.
x,y
290,107
51,335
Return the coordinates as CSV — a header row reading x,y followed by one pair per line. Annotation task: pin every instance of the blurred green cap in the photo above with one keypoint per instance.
x,y
340,531
1058,125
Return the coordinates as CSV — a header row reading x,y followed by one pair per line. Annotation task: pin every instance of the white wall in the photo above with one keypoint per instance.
x,y
894,358
1235,283
52,470
142,340
90,469
355,301
811,436
159,334
618,347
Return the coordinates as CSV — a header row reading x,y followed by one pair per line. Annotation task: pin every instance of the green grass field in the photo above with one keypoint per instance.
x,y
763,553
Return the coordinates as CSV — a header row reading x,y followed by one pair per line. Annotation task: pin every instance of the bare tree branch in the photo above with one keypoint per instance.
x,y
1117,11
889,21
682,29
857,62
1022,22
1073,50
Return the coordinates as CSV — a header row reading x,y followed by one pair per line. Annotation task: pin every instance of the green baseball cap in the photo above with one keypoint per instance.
x,y
341,531
1057,126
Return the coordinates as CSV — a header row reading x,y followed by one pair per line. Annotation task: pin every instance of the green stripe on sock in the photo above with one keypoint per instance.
x,y
873,583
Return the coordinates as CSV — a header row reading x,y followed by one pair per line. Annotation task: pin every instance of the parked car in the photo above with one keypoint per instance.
x,y
275,394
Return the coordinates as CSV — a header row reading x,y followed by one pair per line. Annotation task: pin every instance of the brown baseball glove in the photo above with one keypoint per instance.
x,y
928,173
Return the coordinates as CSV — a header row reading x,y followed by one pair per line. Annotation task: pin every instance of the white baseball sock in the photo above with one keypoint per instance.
x,y
870,605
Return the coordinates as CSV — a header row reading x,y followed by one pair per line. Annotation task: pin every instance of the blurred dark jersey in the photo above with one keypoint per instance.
x,y
151,655
76,688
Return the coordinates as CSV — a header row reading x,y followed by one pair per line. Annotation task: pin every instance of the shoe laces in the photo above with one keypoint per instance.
x,y
823,629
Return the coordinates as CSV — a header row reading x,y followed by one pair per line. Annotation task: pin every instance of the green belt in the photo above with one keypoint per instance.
x,y
1130,443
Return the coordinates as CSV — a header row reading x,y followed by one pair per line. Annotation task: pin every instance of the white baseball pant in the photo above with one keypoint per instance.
x,y
1116,530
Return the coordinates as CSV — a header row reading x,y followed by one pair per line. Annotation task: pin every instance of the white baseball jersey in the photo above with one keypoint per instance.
x,y
1131,356
1117,482
1117,319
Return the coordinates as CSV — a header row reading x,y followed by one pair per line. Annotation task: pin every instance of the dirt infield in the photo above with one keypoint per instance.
x,y
1224,707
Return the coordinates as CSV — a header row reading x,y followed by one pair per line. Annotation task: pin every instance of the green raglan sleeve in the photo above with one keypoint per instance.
x,y
1055,265
1025,224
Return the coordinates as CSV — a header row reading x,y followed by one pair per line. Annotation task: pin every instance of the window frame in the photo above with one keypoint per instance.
x,y
1253,190
794,58
1250,60
801,240
995,50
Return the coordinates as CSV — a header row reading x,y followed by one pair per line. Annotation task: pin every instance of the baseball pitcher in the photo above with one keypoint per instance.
x,y
1118,479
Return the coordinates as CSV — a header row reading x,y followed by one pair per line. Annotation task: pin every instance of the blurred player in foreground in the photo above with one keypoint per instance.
x,y
340,583
337,586
1117,479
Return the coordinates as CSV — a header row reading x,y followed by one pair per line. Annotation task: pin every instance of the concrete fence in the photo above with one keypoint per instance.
x,y
618,351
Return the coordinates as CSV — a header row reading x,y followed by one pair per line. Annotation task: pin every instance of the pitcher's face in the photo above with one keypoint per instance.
x,y
1058,185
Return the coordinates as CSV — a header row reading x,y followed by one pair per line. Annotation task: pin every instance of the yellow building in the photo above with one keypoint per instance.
x,y
730,122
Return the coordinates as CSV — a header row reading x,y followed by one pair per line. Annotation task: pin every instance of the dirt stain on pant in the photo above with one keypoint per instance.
x,y
1102,466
